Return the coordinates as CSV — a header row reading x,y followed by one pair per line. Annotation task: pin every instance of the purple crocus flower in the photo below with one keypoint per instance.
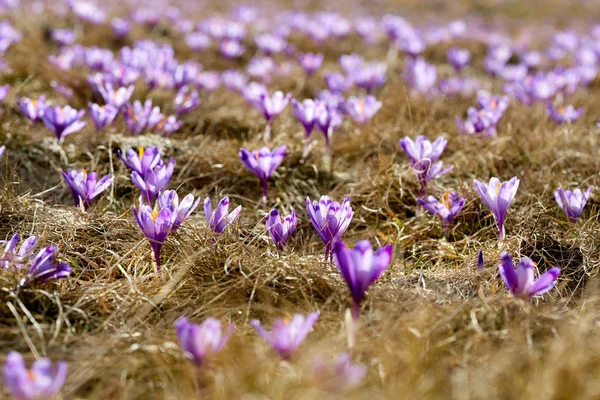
x,y
184,209
270,44
141,162
140,117
330,220
120,27
306,113
220,219
287,335
231,48
199,342
234,80
272,105
208,80
154,181
118,97
310,62
420,75
521,282
459,58
63,121
423,154
33,109
186,100
480,260
197,41
156,225
63,37
360,267
102,115
41,382
4,91
43,268
447,209
498,196
563,114
341,375
336,82
263,163
281,228
362,109
9,257
572,202
85,187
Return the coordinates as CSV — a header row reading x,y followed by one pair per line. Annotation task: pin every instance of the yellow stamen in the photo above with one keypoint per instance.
x,y
498,189
141,152
154,215
447,200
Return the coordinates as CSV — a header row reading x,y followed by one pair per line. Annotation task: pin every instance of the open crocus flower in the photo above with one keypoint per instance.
x,y
44,269
156,225
459,58
155,180
9,257
33,109
41,382
85,187
220,219
310,62
117,98
199,342
362,109
521,282
572,202
339,376
141,162
184,209
269,105
423,154
330,219
186,101
281,228
263,163
450,205
102,115
360,267
563,114
287,335
498,196
63,121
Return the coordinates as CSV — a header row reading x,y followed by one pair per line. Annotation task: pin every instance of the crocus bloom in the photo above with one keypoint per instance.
x,y
63,121
201,341
420,75
141,162
120,27
220,219
272,106
459,58
287,335
330,219
572,202
41,382
563,114
85,187
480,260
116,97
4,91
33,109
186,100
310,62
63,37
43,268
360,267
362,109
184,209
341,375
423,154
140,117
156,225
446,209
155,180
102,115
263,163
521,282
498,196
306,113
9,257
281,228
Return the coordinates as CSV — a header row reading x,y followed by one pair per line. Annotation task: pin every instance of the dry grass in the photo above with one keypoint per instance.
x,y
431,328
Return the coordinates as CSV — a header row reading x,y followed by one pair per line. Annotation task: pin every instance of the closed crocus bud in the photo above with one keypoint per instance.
x,y
498,196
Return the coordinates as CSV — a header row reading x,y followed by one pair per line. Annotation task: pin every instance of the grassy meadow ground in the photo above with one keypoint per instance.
x,y
431,327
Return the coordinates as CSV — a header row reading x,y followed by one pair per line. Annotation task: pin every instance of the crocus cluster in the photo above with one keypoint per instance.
x,y
484,118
